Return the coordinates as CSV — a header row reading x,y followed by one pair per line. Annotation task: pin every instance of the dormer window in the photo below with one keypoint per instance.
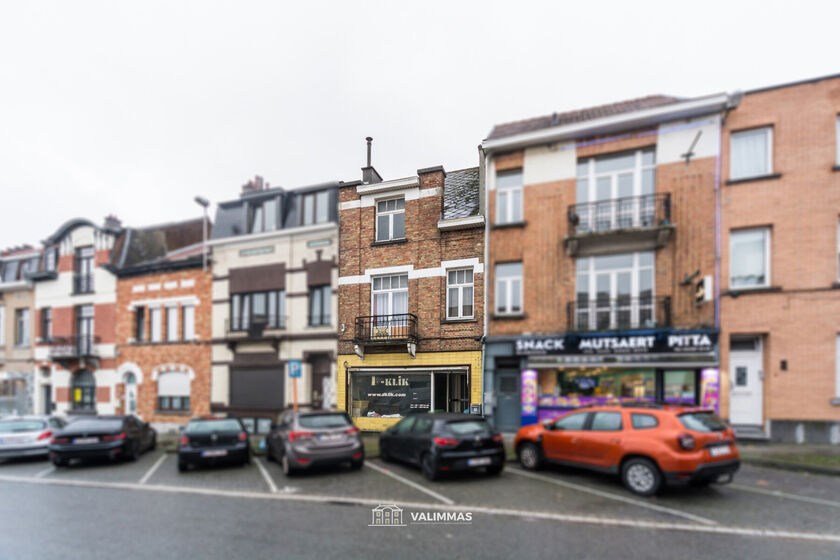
x,y
264,216
390,219
315,208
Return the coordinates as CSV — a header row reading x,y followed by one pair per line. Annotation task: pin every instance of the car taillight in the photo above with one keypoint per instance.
x,y
45,435
299,435
498,438
185,440
445,442
243,436
117,437
60,440
686,441
352,430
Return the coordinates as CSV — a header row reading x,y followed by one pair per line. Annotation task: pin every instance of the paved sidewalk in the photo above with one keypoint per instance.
x,y
820,459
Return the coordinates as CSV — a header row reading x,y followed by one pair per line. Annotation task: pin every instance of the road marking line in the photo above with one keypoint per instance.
x,y
387,472
271,486
611,496
779,494
543,515
45,472
152,470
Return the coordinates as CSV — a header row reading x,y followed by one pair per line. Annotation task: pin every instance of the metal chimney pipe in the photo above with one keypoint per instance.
x,y
369,142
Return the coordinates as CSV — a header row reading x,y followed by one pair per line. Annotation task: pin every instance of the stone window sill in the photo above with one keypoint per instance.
x,y
756,178
457,321
173,413
389,242
510,316
506,225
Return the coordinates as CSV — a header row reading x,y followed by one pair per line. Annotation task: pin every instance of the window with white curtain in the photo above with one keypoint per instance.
x,y
459,294
154,324
751,153
749,258
509,196
509,288
390,295
173,391
189,322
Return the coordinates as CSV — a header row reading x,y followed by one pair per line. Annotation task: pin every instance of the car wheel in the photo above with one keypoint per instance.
x,y
641,476
134,453
183,466
153,445
356,465
269,456
286,465
384,454
59,462
495,470
427,463
530,456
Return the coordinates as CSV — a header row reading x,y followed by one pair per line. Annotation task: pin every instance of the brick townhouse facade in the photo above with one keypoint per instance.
x,y
411,297
275,266
780,302
18,386
164,325
601,259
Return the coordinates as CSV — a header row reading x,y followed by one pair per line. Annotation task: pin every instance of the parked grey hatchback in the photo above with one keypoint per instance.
x,y
301,440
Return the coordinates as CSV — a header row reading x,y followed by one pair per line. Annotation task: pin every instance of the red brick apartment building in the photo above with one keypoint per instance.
x,y
410,295
780,295
601,261
164,313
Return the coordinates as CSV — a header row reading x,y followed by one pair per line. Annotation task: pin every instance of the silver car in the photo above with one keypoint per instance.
x,y
304,439
27,436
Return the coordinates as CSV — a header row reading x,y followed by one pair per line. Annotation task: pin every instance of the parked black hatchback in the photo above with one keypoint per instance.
x,y
110,437
213,440
443,443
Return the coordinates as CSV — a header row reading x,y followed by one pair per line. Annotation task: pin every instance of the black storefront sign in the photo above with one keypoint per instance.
x,y
613,344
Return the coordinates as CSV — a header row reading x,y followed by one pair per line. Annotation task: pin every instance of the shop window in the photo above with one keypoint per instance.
x,y
749,258
582,386
751,153
509,196
678,387
390,219
174,391
389,395
643,421
459,294
606,422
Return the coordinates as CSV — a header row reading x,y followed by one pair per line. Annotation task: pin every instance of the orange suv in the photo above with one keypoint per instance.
x,y
648,445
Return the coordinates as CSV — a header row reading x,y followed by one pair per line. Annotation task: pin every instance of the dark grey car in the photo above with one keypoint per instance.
x,y
304,439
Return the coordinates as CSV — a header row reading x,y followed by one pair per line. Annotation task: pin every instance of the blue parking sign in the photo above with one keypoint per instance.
x,y
295,368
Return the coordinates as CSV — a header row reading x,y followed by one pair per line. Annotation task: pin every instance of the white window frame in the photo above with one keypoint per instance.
x,y
171,323
635,306
2,325
390,291
460,287
837,370
838,252
837,137
189,322
22,334
767,246
509,192
506,283
768,147
390,214
155,333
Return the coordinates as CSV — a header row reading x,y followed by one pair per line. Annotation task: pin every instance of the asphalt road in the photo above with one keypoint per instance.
x,y
149,510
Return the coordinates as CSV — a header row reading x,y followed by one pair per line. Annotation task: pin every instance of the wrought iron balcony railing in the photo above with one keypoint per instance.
x,y
254,326
632,212
82,283
386,329
622,313
73,346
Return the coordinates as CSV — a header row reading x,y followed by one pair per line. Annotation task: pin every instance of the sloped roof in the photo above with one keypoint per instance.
x,y
138,246
460,193
581,115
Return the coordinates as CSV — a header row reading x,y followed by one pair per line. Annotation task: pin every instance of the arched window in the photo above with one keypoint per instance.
x,y
84,390
173,391
130,393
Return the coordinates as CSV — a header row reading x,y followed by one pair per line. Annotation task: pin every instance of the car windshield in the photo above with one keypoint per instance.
x,y
702,421
210,426
323,421
466,427
12,426
91,424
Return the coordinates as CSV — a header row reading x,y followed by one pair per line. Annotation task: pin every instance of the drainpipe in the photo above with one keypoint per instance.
x,y
483,169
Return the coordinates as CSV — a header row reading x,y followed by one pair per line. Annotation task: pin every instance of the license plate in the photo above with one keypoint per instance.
x,y
214,453
328,437
85,440
479,461
719,450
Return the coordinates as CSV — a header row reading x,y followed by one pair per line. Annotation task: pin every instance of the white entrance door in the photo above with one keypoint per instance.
x,y
746,382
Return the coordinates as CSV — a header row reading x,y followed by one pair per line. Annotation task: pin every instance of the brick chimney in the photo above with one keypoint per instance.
x,y
112,222
254,185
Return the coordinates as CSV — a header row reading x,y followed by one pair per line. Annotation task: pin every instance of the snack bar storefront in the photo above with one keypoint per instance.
x,y
560,373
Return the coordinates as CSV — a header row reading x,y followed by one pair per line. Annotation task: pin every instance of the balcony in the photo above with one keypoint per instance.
x,y
633,223
73,347
619,314
82,283
386,330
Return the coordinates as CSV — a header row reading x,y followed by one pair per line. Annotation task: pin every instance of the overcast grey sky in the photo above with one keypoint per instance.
x,y
133,108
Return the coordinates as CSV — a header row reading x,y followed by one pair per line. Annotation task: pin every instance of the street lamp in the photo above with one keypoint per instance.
x,y
204,203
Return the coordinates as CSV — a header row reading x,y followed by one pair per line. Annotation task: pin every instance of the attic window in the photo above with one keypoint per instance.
x,y
264,216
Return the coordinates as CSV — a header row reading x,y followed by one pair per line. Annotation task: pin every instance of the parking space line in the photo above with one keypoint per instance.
x,y
266,476
779,494
610,496
387,472
45,472
152,470
522,514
